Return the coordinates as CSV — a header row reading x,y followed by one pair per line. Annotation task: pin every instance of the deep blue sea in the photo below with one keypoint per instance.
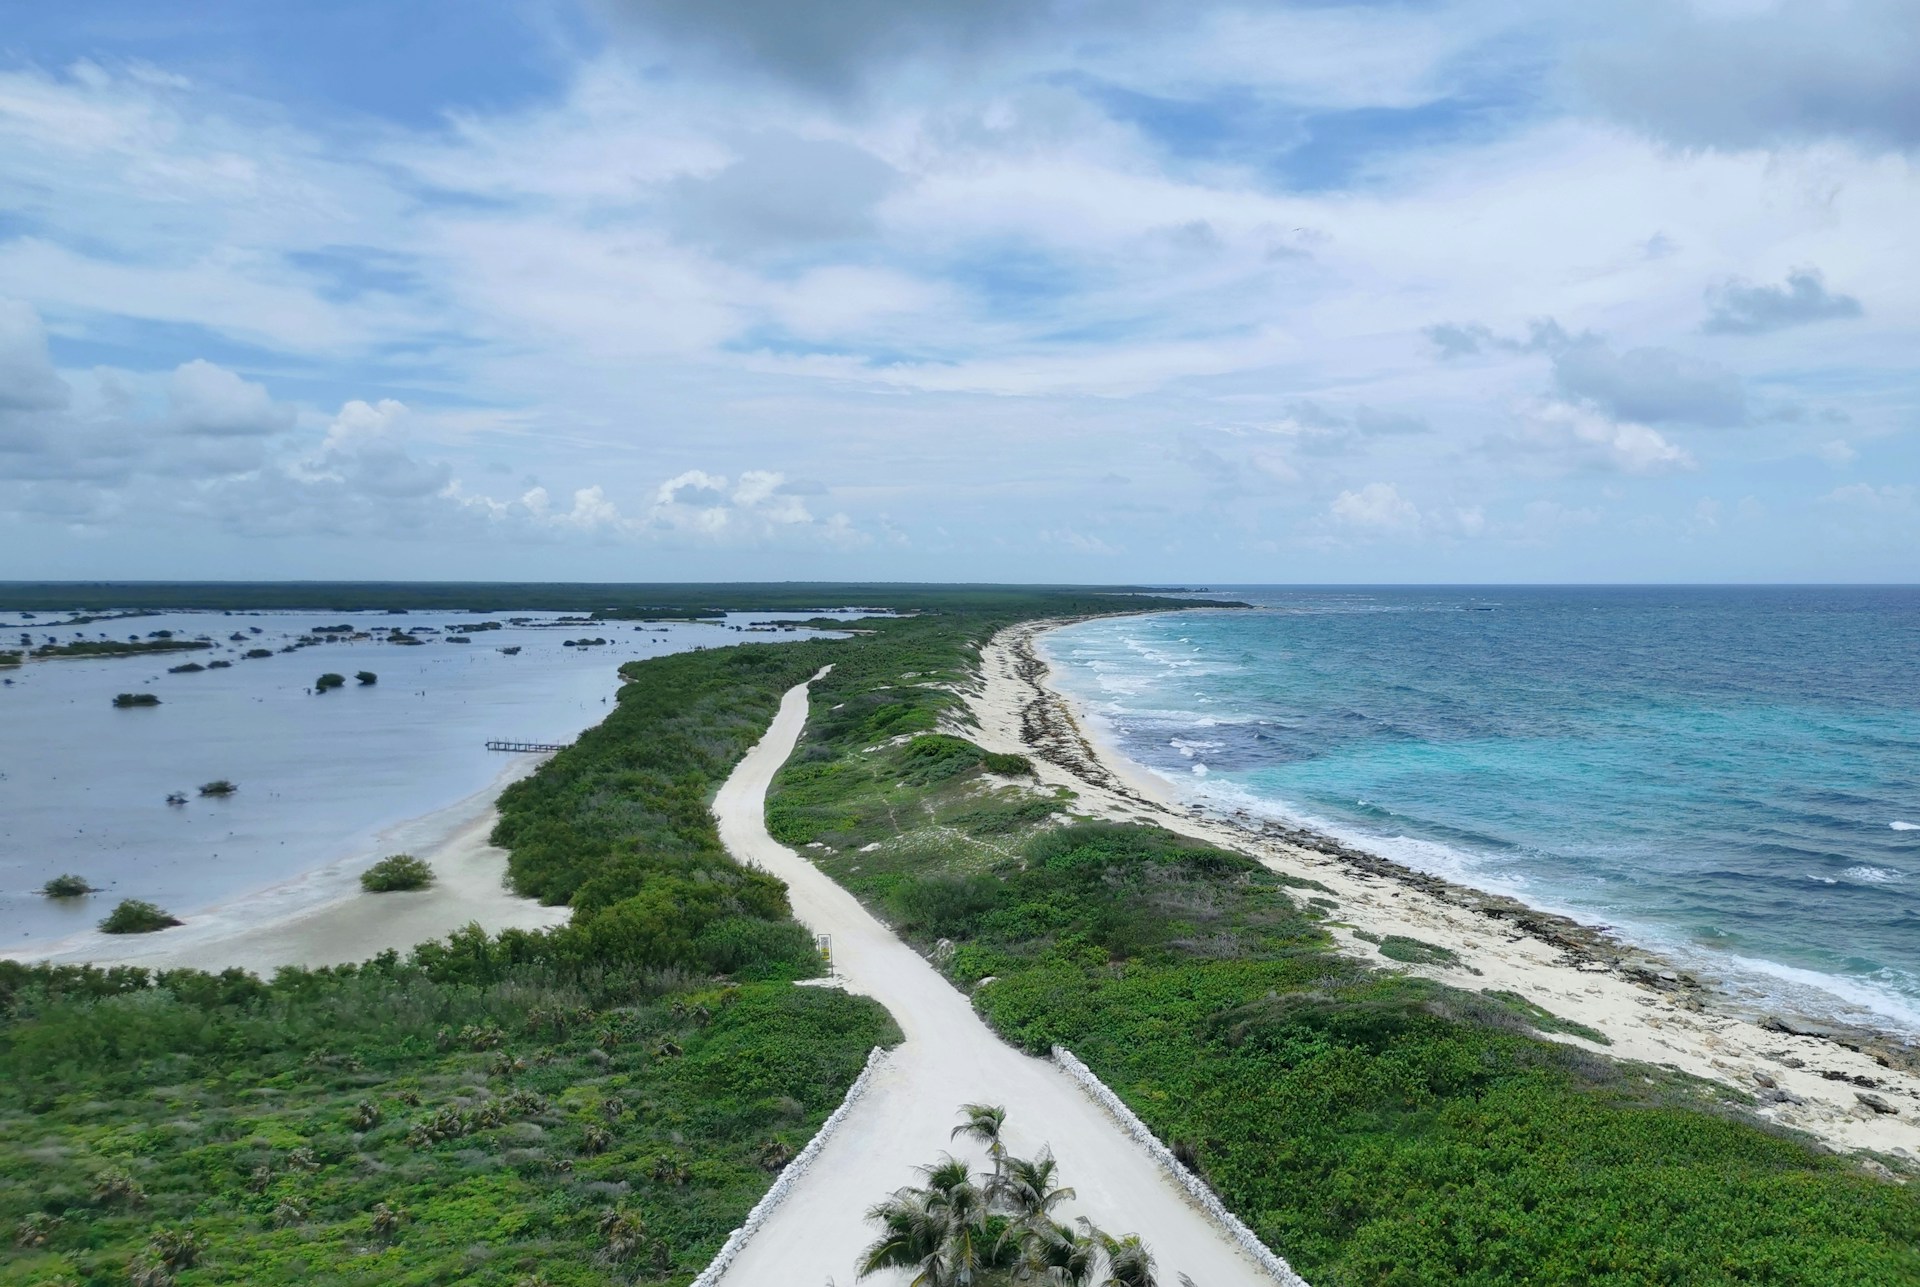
x,y
1730,775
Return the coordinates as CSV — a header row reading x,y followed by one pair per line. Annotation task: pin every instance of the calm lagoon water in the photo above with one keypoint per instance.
x,y
83,785
1730,775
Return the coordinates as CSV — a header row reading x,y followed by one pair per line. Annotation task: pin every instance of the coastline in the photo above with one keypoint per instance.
x,y
323,917
1821,1079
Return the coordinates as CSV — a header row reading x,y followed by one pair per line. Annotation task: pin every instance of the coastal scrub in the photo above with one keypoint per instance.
x,y
137,916
1369,1125
396,872
68,886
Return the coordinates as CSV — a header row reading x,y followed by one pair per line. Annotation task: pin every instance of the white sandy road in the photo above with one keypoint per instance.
x,y
949,1057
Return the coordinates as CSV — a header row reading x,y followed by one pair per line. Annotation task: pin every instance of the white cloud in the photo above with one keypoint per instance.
x,y
1866,497
28,381
208,399
1582,437
1377,507
1838,453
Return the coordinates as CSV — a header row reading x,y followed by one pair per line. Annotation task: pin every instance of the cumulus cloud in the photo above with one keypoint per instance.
x,y
1648,385
366,448
1377,507
28,381
206,399
1580,437
1739,308
1760,74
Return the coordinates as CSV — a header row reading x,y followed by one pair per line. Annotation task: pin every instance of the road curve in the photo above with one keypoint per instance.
x,y
950,1057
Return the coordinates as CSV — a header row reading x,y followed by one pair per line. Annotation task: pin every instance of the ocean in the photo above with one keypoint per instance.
x,y
1729,775
323,779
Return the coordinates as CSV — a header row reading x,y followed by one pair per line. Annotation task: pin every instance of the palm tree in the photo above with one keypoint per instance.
x,y
986,1124
1129,1263
1063,1256
912,1237
1029,1190
954,1231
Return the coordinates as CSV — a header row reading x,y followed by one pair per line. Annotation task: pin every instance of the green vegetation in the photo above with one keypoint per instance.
x,y
256,654
604,1101
997,1230
113,648
396,871
11,658
597,1103
126,700
218,787
366,677
136,916
68,886
1373,1126
329,681
190,668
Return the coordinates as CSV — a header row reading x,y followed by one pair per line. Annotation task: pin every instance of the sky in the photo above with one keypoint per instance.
x,y
1020,290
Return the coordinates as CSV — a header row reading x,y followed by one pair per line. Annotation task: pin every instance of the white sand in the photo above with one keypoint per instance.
x,y
1013,710
949,1057
325,918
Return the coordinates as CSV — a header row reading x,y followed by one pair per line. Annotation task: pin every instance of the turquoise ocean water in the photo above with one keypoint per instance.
x,y
1730,775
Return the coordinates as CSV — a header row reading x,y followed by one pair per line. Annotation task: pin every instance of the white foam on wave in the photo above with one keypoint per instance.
x,y
1868,875
1845,998
1861,1000
1897,825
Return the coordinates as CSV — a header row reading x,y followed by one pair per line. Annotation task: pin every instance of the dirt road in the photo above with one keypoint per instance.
x,y
949,1057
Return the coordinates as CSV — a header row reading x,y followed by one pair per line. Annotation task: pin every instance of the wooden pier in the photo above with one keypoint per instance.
x,y
527,746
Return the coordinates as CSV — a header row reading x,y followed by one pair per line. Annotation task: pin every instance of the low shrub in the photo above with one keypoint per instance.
x,y
124,700
366,677
394,872
1012,766
329,681
67,886
136,916
218,787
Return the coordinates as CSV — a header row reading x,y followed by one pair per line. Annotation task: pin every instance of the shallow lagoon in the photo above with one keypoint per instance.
x,y
322,778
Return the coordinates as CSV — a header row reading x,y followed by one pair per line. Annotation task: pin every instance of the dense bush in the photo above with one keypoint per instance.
x,y
136,916
124,700
394,872
329,681
218,787
366,676
67,886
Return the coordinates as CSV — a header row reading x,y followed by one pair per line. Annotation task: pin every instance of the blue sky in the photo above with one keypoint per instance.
x,y
1444,290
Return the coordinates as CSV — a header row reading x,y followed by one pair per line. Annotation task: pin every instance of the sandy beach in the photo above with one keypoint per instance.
x,y
325,918
1833,1086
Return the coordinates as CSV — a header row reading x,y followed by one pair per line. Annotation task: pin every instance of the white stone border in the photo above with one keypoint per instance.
x,y
790,1175
1196,1188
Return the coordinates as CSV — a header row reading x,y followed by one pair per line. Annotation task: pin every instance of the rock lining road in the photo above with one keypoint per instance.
x,y
949,1057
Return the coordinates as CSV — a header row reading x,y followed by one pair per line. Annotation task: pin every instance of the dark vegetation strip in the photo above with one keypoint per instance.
x,y
622,599
1373,1127
596,1104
